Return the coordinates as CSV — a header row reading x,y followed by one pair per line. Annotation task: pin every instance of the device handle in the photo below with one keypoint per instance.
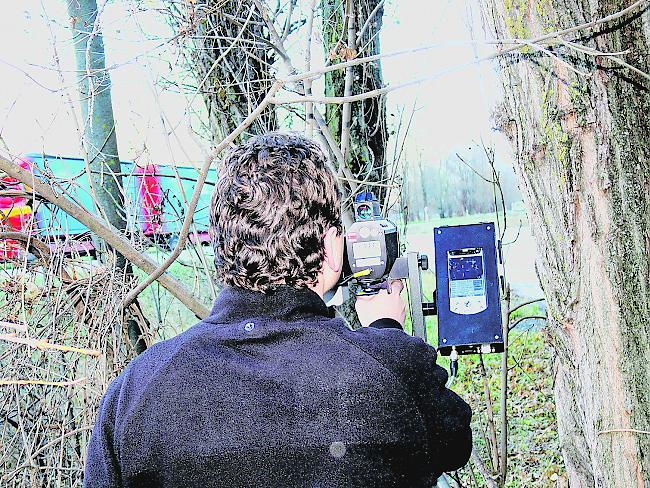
x,y
408,267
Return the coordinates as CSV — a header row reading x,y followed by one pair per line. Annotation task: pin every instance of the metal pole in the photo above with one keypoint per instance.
x,y
415,284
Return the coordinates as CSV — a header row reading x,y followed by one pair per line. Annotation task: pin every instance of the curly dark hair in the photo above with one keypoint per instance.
x,y
276,196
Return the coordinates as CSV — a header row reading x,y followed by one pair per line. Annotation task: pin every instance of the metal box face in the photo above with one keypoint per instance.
x,y
467,289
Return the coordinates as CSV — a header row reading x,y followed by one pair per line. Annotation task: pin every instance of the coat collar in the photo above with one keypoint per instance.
x,y
285,303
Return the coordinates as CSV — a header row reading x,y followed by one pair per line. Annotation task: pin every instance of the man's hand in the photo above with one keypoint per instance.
x,y
387,304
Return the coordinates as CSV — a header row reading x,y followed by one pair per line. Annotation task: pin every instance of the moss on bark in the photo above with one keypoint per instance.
x,y
584,169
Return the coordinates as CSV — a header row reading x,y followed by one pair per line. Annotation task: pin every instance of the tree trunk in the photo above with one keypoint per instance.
x,y
583,164
98,130
98,125
368,134
229,51
360,127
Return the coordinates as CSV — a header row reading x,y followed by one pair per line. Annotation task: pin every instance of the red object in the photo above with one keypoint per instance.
x,y
151,195
9,183
15,214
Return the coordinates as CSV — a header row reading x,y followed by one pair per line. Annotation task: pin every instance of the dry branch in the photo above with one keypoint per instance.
x,y
39,382
33,243
521,305
309,106
346,116
626,431
487,477
107,232
43,344
157,273
10,325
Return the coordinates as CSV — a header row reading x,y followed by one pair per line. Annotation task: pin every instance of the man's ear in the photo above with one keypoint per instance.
x,y
333,249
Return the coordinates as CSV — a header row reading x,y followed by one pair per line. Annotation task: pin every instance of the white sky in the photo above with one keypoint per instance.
x,y
452,110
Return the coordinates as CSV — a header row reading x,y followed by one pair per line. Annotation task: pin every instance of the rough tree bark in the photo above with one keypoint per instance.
x,y
98,124
368,134
229,50
583,164
350,28
98,130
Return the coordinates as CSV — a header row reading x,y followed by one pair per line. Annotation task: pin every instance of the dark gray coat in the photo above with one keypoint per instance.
x,y
273,391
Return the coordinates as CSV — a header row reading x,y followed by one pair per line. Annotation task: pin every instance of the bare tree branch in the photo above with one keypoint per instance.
x,y
487,477
349,78
107,232
203,173
309,106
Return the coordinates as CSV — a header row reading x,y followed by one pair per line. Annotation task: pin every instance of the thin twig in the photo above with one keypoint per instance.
x,y
557,58
287,22
491,182
278,45
365,182
534,317
527,302
42,344
39,382
366,24
631,431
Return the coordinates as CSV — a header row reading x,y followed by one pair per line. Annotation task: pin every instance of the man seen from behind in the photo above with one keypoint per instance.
x,y
272,389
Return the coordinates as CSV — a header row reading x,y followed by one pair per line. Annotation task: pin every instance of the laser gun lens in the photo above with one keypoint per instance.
x,y
364,212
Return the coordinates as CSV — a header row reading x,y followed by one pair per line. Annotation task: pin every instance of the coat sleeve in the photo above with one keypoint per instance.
x,y
446,415
102,466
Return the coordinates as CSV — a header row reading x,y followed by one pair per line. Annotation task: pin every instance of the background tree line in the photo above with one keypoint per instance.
x,y
457,185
